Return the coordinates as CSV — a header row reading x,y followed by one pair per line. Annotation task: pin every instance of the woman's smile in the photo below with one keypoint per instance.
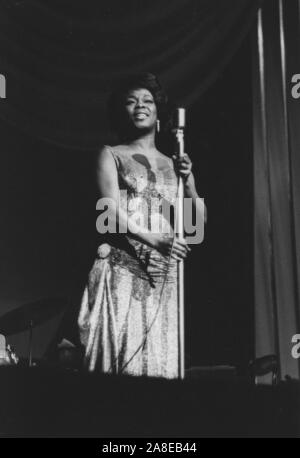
x,y
141,115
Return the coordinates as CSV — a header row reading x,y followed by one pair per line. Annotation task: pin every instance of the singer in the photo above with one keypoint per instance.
x,y
128,320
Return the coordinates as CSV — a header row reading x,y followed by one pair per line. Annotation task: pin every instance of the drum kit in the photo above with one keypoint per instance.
x,y
26,318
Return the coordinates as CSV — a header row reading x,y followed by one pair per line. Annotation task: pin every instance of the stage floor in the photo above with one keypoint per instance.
x,y
42,402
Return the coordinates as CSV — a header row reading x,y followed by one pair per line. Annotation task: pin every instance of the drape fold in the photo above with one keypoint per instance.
x,y
277,182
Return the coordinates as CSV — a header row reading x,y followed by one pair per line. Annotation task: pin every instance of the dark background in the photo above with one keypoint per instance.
x,y
220,271
48,237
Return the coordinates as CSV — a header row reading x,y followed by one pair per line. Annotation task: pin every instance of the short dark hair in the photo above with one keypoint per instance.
x,y
115,106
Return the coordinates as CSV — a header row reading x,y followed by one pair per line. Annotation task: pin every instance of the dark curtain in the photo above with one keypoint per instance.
x,y
47,231
277,182
62,57
60,60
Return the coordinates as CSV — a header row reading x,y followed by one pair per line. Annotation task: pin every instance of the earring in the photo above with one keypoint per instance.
x,y
158,125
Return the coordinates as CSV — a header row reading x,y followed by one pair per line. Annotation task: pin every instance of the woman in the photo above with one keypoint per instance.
x,y
128,317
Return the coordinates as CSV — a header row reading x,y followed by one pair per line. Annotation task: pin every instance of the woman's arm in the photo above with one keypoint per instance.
x,y
190,191
107,178
184,168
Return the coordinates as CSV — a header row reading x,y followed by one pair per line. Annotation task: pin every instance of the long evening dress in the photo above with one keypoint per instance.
x,y
128,320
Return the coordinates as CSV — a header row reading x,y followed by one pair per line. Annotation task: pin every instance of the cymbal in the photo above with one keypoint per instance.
x,y
30,315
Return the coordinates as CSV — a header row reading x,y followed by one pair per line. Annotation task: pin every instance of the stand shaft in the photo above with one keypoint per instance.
x,y
180,278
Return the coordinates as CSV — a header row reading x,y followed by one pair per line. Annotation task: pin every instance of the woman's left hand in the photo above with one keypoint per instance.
x,y
183,165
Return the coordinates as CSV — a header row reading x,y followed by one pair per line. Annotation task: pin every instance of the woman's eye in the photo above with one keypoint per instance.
x,y
129,101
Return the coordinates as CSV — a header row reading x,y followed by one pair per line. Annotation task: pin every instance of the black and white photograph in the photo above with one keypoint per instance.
x,y
150,221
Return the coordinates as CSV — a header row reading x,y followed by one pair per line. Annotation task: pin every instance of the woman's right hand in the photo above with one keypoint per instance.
x,y
177,249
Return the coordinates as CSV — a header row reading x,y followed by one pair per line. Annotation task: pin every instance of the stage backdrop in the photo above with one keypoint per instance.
x,y
277,182
61,58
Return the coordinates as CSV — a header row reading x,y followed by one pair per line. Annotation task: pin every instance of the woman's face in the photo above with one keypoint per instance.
x,y
141,109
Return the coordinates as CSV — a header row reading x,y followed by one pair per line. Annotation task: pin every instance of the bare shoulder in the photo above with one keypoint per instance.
x,y
108,151
122,149
107,172
104,150
115,150
105,157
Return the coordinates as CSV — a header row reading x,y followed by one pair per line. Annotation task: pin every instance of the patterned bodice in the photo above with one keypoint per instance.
x,y
148,190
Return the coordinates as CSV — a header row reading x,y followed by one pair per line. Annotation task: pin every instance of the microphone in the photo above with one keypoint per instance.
x,y
2,347
179,118
178,129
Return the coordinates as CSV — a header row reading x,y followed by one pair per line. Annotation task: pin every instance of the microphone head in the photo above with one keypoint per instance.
x,y
2,347
179,118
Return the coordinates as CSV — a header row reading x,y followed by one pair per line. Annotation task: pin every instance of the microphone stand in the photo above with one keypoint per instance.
x,y
179,133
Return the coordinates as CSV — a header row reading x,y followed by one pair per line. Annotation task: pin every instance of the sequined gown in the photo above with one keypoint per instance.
x,y
128,316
